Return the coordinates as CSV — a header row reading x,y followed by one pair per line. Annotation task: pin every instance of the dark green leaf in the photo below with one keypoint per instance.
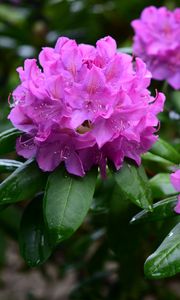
x,y
22,184
161,186
165,150
8,140
67,200
9,165
10,220
3,248
102,195
2,207
165,261
124,238
134,185
161,210
33,239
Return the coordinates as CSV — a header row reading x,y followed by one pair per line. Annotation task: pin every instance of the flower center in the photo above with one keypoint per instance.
x,y
84,127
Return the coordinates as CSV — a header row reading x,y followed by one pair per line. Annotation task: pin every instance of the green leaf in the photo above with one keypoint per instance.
x,y
22,184
67,200
127,50
102,195
3,248
161,210
124,238
10,219
155,163
9,165
175,100
8,140
161,186
165,150
3,207
165,261
133,184
33,239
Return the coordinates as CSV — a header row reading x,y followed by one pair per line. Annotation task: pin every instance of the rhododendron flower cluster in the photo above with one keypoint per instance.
x,y
84,105
157,42
175,180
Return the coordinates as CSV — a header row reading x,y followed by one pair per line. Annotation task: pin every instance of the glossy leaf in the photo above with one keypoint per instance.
x,y
33,239
22,184
161,210
9,165
165,150
165,261
134,185
67,200
161,186
8,140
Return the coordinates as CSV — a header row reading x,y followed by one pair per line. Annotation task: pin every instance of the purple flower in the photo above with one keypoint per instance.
x,y
83,106
175,180
157,42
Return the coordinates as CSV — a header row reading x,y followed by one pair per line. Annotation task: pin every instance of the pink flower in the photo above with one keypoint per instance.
x,y
157,42
84,106
175,180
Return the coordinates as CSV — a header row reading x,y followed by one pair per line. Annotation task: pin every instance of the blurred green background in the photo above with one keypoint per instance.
x,y
84,267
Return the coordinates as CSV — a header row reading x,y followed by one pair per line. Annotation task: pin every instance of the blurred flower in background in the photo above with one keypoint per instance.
x,y
157,42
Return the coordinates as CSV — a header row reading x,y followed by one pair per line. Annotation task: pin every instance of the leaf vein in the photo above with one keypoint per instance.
x,y
66,202
165,256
